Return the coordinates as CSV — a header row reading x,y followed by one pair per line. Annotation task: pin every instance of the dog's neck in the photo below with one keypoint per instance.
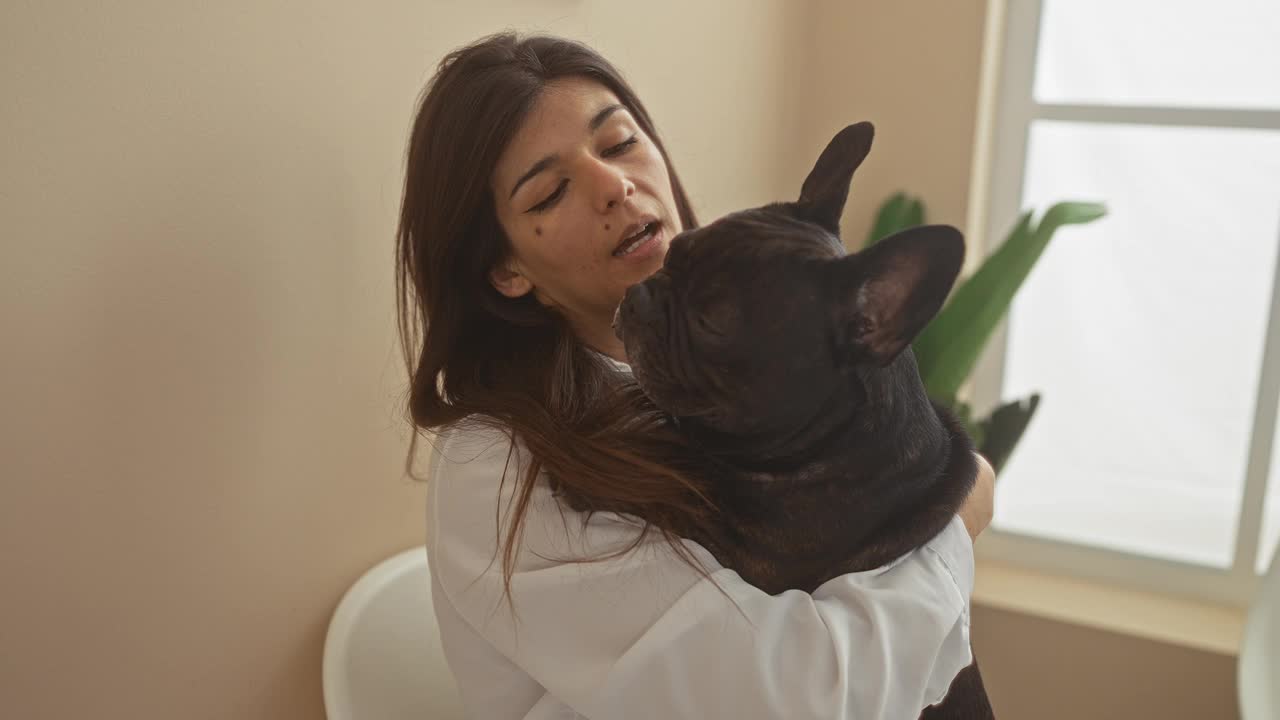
x,y
892,409
864,515
772,454
873,480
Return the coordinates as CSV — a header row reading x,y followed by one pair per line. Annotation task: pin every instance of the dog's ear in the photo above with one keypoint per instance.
x,y
886,294
823,195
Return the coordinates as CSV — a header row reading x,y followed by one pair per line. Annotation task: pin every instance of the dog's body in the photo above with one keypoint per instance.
x,y
786,364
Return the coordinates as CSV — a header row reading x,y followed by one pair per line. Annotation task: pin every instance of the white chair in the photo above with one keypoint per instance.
x,y
1258,678
382,655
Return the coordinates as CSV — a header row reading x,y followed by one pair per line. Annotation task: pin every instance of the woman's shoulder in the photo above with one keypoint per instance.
x,y
473,432
477,448
474,483
474,467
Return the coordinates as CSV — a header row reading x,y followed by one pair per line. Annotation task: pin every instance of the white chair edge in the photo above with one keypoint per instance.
x,y
338,635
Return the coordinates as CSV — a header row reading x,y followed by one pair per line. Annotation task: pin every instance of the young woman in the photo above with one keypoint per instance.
x,y
537,191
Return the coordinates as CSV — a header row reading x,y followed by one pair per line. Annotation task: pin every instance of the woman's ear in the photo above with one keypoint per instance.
x,y
507,279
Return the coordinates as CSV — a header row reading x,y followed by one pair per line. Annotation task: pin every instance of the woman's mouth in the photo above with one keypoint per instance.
x,y
640,243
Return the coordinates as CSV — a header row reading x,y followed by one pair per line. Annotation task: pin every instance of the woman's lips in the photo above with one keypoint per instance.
x,y
647,246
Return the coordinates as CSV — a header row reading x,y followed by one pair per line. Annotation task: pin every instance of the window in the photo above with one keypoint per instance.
x,y
1153,335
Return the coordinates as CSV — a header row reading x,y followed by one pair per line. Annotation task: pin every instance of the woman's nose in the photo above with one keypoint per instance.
x,y
613,186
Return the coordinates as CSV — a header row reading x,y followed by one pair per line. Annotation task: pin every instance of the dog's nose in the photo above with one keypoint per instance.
x,y
637,300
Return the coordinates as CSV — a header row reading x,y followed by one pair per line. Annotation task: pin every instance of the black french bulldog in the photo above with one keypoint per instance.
x,y
786,362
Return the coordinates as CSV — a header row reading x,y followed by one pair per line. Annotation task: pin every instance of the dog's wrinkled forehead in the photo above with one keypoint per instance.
x,y
767,234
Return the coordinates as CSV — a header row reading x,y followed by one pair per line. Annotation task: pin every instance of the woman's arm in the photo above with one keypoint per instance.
x,y
644,635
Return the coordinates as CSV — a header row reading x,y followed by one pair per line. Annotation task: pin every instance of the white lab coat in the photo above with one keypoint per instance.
x,y
645,636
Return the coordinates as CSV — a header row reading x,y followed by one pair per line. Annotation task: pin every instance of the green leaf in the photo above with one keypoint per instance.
x,y
951,344
1001,431
899,212
964,413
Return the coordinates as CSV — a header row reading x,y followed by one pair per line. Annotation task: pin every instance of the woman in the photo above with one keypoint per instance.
x,y
536,192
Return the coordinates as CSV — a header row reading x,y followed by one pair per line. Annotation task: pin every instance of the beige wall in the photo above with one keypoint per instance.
x,y
1036,668
911,67
201,441
201,444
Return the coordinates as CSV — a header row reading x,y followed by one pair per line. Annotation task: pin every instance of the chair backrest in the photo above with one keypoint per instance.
x,y
1258,675
382,654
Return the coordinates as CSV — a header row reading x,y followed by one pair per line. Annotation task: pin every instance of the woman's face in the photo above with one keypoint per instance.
x,y
585,199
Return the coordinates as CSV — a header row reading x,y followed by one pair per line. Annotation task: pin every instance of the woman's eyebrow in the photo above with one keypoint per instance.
x,y
603,115
538,167
596,121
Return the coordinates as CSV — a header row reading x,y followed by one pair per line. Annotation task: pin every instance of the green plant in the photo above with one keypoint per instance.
x,y
949,347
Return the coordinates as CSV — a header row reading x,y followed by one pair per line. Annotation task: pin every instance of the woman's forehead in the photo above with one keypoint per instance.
x,y
561,115
571,101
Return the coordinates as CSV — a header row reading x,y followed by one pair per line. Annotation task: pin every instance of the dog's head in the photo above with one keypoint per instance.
x,y
757,322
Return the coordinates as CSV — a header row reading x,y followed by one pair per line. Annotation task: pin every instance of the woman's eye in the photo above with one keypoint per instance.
x,y
614,151
550,199
621,147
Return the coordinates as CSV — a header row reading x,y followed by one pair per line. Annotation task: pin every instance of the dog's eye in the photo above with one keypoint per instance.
x,y
718,322
709,327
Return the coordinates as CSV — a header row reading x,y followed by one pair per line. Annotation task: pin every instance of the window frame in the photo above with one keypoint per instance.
x,y
1007,110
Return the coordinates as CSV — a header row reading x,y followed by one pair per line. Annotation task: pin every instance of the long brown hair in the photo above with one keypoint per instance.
x,y
513,363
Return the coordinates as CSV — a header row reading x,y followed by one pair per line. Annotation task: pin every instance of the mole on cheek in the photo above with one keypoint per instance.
x,y
606,227
538,230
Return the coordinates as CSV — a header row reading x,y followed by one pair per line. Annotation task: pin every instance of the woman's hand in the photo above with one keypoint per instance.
x,y
978,508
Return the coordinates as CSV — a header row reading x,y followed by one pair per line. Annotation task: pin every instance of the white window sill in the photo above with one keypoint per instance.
x,y
1188,623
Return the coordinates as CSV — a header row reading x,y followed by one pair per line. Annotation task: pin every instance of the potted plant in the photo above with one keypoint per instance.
x,y
949,347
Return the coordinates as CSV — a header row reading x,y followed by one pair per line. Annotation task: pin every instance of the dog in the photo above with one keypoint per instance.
x,y
786,363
